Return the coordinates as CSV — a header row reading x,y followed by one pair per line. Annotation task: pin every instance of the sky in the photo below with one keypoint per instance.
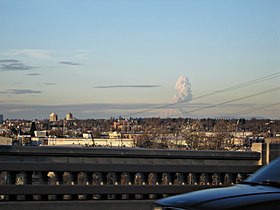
x,y
110,58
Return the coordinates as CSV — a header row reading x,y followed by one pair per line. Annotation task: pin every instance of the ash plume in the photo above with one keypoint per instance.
x,y
183,86
184,94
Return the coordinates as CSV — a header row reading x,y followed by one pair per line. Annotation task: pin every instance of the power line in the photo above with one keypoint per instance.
x,y
241,85
233,100
249,110
234,87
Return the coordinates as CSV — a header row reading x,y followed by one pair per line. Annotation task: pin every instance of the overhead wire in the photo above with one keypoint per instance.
x,y
234,87
235,114
233,100
241,85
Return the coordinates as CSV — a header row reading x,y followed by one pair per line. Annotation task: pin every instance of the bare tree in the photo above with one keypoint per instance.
x,y
191,134
222,137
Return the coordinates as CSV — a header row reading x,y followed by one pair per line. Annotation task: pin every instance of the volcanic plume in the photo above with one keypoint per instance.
x,y
183,86
184,94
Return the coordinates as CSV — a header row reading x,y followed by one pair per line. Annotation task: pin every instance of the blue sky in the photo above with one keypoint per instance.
x,y
58,53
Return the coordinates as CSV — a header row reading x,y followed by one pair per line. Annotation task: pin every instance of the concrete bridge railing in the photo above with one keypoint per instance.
x,y
113,175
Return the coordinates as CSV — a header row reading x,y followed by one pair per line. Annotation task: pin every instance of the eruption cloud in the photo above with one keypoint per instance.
x,y
183,86
184,94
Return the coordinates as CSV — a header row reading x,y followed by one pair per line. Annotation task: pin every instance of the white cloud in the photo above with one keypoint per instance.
x,y
82,54
32,53
47,54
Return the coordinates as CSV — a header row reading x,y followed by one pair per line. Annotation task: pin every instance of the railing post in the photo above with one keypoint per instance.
x,y
165,180
67,180
152,180
111,180
82,179
37,179
125,180
139,180
5,179
21,179
191,179
97,180
52,180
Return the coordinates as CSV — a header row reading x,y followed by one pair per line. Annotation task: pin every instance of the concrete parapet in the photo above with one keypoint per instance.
x,y
54,174
268,151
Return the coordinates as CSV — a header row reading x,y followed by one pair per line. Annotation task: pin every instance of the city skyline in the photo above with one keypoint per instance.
x,y
101,59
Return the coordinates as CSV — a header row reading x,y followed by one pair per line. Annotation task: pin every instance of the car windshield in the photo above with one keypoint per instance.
x,y
269,174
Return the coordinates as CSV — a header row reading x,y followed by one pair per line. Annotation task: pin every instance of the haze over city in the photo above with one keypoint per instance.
x,y
101,59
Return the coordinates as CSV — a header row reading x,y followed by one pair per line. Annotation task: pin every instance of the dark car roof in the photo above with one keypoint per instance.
x,y
252,195
233,196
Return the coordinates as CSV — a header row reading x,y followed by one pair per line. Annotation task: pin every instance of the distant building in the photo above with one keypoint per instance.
x,y
115,135
53,117
87,136
69,116
1,118
40,134
40,138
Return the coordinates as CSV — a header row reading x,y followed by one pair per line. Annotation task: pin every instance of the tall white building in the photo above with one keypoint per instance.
x,y
53,117
69,116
